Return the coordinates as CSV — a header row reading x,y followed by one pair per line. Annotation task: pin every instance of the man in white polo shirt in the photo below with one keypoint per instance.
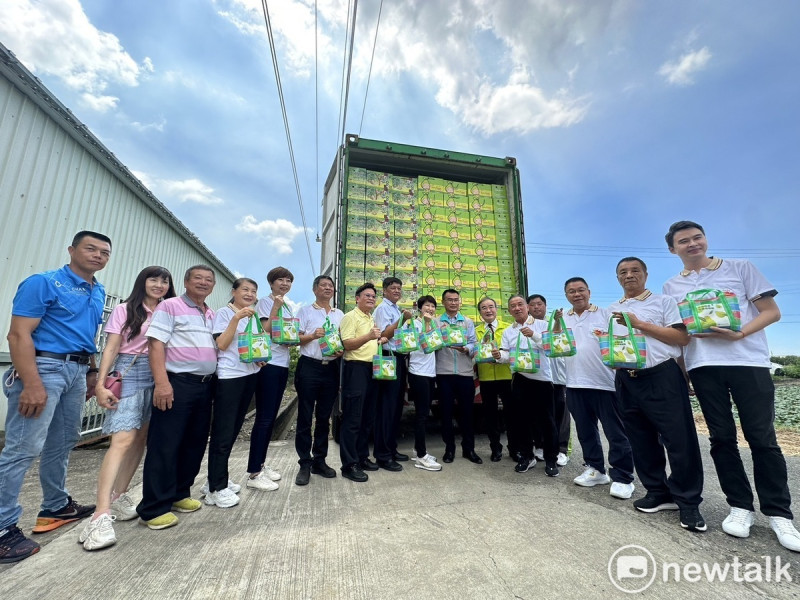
x,y
532,392
654,401
727,364
316,381
591,396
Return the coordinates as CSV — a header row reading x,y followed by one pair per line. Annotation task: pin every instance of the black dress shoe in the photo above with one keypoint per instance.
x,y
448,457
472,457
368,465
400,457
354,473
390,465
323,469
497,455
303,476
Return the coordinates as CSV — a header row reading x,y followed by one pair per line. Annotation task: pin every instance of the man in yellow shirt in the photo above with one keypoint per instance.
x,y
361,339
495,378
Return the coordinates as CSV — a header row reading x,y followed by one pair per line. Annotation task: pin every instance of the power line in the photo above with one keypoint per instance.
x,y
369,74
274,55
316,117
347,66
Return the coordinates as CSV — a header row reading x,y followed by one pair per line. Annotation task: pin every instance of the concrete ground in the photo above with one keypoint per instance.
x,y
469,531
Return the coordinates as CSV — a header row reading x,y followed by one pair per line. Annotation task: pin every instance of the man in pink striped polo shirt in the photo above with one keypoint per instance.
x,y
183,358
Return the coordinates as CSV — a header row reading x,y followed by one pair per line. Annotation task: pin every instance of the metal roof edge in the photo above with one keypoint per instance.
x,y
19,76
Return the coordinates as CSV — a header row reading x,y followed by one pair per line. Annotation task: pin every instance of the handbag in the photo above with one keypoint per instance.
x,y
430,340
113,381
331,342
406,338
384,367
524,360
454,336
703,309
485,348
254,346
557,344
623,351
285,330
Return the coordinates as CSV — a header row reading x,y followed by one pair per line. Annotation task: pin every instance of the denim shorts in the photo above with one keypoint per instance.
x,y
136,401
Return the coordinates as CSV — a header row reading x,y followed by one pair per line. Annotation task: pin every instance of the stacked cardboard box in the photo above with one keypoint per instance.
x,y
430,232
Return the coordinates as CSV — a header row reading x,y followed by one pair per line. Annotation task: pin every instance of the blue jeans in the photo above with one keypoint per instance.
x,y
52,436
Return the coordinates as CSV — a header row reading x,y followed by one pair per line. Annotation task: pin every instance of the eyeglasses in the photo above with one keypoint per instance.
x,y
368,296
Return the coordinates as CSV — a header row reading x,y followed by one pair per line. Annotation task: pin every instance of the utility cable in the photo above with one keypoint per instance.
x,y
369,74
288,134
317,200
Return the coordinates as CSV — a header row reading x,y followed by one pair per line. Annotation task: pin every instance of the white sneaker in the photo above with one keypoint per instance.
x,y
428,463
222,498
562,459
622,490
273,475
738,522
98,533
415,457
788,536
262,482
592,477
234,487
538,454
124,508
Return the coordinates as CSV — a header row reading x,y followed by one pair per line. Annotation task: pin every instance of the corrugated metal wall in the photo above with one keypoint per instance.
x,y
56,179
51,187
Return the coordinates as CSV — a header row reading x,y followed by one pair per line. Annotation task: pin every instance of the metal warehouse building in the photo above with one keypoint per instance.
x,y
56,179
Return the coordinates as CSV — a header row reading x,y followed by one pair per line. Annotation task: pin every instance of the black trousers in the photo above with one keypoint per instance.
x,y
359,394
563,420
421,390
231,400
655,409
176,443
533,408
753,393
490,392
270,385
389,409
461,389
317,386
588,406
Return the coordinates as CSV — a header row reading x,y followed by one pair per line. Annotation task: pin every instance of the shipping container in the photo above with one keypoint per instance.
x,y
436,219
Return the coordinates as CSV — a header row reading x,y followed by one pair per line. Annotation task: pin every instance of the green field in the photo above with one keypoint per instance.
x,y
787,403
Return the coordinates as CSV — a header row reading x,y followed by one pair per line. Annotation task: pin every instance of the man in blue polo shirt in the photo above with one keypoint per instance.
x,y
54,321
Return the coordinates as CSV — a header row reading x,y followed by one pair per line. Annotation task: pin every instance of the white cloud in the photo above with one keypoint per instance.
x,y
188,190
55,37
184,190
450,49
279,233
155,126
99,103
680,72
293,25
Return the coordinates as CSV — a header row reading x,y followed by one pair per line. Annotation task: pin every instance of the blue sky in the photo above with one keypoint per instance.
x,y
623,116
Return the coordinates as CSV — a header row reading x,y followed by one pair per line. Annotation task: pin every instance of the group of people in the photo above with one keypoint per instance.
x,y
182,381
